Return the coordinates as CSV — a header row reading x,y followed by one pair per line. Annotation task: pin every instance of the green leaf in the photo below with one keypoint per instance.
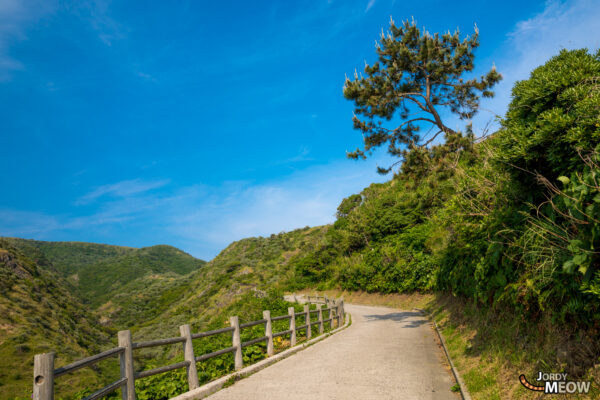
x,y
575,245
579,259
564,180
569,267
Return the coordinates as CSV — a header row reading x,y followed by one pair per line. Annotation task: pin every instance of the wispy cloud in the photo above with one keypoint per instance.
x,y
370,4
560,25
305,198
147,77
26,223
98,15
15,17
121,189
301,156
200,219
12,18
298,34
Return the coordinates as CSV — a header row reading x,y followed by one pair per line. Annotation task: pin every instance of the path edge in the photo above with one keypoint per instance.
x,y
216,385
463,388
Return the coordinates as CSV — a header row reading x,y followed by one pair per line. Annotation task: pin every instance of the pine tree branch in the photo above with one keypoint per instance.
x,y
431,140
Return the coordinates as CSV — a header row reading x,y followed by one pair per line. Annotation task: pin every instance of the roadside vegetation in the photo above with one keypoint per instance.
x,y
503,229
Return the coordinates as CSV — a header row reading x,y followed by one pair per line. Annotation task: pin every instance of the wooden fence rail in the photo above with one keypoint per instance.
x,y
44,372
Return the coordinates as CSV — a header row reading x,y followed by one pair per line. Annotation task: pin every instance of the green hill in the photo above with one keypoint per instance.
x,y
39,314
70,257
121,281
252,265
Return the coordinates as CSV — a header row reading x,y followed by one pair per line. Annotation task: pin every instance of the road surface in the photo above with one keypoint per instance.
x,y
384,354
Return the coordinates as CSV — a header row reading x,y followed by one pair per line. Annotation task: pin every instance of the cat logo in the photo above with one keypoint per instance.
x,y
555,383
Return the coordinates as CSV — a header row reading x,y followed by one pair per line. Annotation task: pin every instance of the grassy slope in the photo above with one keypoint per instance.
x,y
39,314
125,284
491,348
70,257
46,314
253,265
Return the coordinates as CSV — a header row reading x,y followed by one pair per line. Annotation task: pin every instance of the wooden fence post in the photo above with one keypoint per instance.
x,y
292,314
126,363
320,316
307,319
268,332
188,353
43,376
237,342
331,314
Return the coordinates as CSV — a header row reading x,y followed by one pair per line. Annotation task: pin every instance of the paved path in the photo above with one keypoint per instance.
x,y
384,354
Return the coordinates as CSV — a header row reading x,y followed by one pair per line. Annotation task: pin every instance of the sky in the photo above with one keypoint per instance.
x,y
197,123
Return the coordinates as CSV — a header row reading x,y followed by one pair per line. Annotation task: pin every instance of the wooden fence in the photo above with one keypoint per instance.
x,y
44,372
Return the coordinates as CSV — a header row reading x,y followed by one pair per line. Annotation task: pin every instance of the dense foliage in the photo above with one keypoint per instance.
x,y
513,220
552,116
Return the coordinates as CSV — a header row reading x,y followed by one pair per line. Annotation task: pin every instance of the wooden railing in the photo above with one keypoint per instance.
x,y
44,372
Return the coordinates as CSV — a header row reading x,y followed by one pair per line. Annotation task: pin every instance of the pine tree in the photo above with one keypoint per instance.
x,y
417,76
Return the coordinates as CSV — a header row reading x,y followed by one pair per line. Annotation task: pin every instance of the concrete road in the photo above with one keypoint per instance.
x,y
384,354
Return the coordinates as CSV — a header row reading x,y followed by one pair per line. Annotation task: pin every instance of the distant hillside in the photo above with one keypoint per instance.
x,y
69,257
124,284
99,271
252,265
39,314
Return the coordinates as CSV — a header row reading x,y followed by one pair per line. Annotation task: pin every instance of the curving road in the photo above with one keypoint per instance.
x,y
384,354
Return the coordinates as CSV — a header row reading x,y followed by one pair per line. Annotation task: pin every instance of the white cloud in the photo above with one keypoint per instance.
x,y
200,219
301,156
561,25
370,4
97,14
25,223
147,77
211,218
121,189
15,17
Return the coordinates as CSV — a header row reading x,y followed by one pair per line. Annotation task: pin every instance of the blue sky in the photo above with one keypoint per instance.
x,y
199,123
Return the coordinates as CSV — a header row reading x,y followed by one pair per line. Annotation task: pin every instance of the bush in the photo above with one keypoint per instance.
x,y
552,114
